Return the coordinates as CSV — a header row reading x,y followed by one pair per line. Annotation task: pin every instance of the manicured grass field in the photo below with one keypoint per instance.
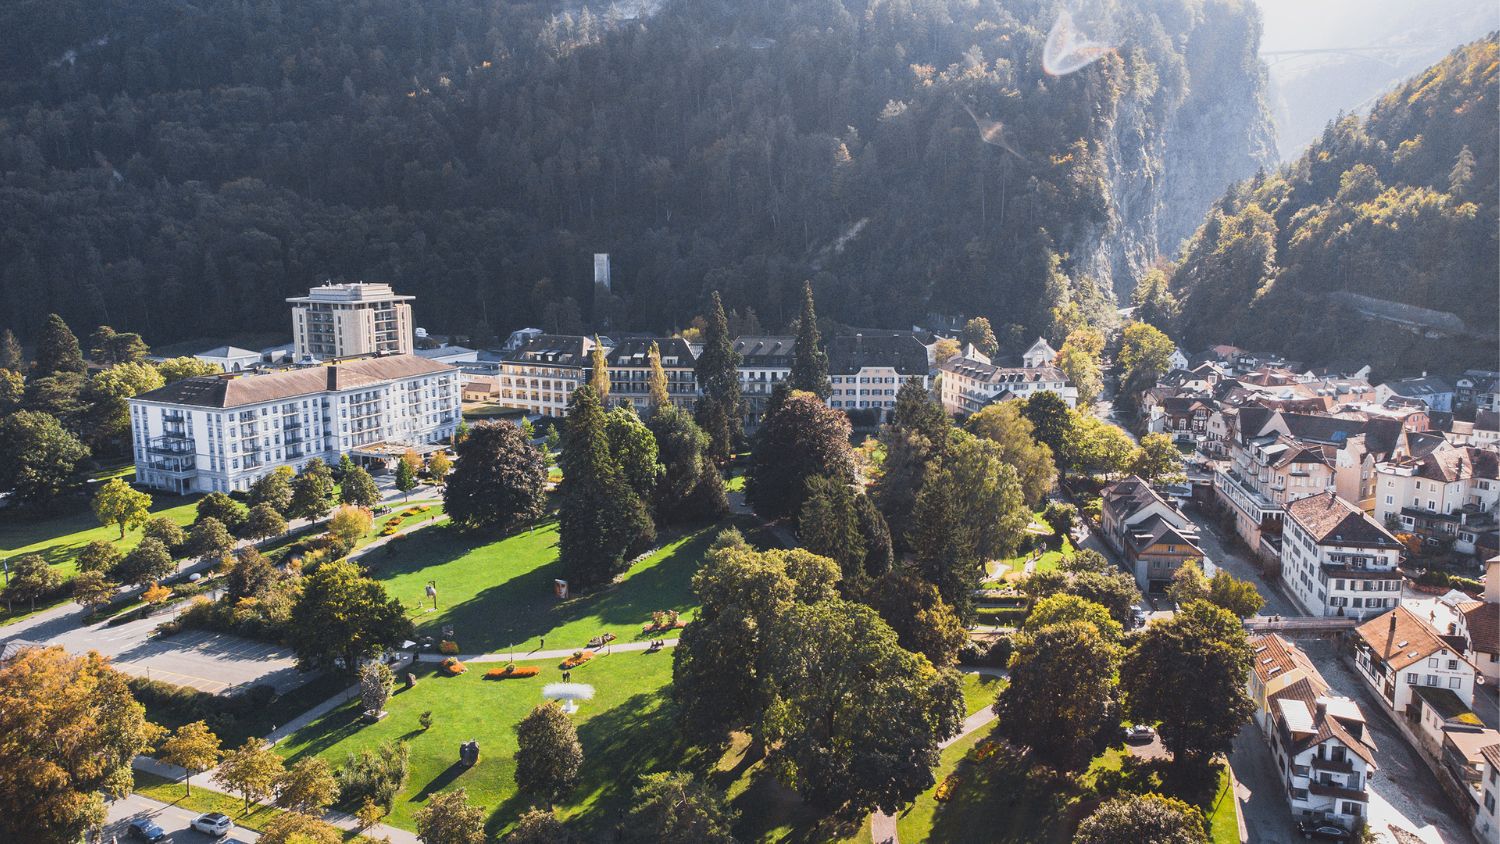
x,y
980,691
430,510
498,594
626,730
59,538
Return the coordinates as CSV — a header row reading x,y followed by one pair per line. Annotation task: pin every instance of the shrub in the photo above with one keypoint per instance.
x,y
578,658
452,667
376,775
425,719
448,648
946,788
512,671
995,654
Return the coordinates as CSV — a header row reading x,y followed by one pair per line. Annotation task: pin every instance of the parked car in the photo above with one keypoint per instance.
x,y
1139,733
1323,831
145,829
216,824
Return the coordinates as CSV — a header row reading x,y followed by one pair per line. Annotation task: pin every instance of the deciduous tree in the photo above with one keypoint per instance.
x,y
439,465
1157,460
1144,356
263,522
978,332
148,562
1061,691
348,523
1188,673
307,787
674,808
657,396
209,538
358,488
11,356
117,503
599,372
845,752
299,828
1146,817
223,509
166,531
923,621
176,369
37,456
1005,426
548,755
375,685
1188,584
31,578
1112,589
312,491
689,487
1068,608
1238,596
1051,422
69,731
252,771
341,614
633,448
192,747
539,826
100,556
448,818
500,481
92,590
802,439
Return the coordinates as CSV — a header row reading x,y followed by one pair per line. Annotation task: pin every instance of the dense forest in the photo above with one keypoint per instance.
x,y
1330,259
178,168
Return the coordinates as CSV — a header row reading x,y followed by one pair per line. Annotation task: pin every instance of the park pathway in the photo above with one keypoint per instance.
x,y
882,825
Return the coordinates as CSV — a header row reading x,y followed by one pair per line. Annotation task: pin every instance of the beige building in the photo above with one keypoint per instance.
x,y
972,381
540,376
351,320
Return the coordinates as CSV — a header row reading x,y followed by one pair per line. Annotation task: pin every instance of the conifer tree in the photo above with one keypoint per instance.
x,y
11,357
600,517
810,367
656,384
58,350
720,411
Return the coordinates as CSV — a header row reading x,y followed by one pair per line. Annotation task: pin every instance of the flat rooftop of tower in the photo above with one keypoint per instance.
x,y
355,291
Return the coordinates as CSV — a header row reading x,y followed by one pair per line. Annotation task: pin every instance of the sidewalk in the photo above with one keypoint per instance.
x,y
560,653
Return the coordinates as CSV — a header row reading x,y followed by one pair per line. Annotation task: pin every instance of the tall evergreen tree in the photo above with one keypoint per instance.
x,y
810,366
599,373
58,350
720,411
11,356
600,517
657,396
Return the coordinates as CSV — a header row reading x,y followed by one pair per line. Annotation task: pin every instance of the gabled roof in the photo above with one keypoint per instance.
x,y
1276,657
227,352
238,391
992,374
1156,530
1491,754
1486,420
634,352
1406,641
1314,717
1420,387
899,350
555,350
1333,521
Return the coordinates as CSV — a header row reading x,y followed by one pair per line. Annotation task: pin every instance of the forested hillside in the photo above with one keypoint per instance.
x,y
179,168
1329,259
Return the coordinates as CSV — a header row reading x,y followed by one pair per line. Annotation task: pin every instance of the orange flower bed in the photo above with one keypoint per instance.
x,y
448,647
946,788
452,667
576,660
510,672
985,750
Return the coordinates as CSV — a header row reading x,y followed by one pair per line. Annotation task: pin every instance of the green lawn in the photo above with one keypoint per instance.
x,y
202,800
980,691
59,538
497,594
429,510
1224,826
626,730
769,811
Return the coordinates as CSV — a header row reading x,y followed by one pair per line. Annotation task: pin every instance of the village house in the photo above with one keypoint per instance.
x,y
1435,392
1398,653
972,382
1446,495
1318,738
1476,390
1148,532
1338,561
765,361
1486,826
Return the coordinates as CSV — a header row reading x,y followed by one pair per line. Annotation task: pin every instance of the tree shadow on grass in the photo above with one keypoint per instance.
x,y
323,733
439,782
1007,798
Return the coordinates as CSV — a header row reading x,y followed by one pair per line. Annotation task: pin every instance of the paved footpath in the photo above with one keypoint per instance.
x,y
882,825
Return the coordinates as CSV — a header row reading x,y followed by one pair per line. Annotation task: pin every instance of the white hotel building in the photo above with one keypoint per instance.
x,y
1337,560
972,382
220,433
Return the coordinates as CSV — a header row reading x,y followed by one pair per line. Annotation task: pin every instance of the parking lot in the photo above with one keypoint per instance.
x,y
210,662
175,821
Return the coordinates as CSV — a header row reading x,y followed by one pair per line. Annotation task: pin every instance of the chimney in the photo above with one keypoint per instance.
x,y
1322,705
1393,624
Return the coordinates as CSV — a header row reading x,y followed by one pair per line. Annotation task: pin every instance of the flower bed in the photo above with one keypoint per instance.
x,y
511,672
448,648
946,788
452,667
577,659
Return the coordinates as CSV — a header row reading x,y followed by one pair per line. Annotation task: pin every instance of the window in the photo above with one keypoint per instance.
x,y
1434,680
1432,662
1455,682
1411,679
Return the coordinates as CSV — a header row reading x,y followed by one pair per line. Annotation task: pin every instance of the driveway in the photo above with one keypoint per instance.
x,y
1263,803
171,818
210,662
1403,793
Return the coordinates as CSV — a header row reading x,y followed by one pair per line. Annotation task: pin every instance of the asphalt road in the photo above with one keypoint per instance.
x,y
1263,803
1221,553
171,818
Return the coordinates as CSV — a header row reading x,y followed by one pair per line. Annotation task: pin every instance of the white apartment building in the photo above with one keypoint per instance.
x,y
765,361
1338,561
1486,826
867,369
971,381
351,320
629,365
1448,494
220,433
540,376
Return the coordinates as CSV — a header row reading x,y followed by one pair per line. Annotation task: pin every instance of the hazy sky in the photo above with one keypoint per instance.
x,y
1307,91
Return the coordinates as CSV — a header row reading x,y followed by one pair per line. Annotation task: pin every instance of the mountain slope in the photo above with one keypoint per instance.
x,y
173,167
1377,245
